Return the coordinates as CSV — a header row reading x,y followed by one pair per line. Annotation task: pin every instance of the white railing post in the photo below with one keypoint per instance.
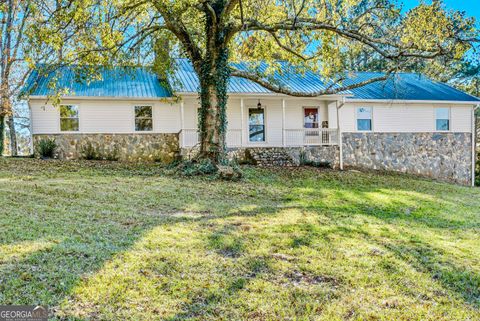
x,y
339,134
242,121
311,136
182,123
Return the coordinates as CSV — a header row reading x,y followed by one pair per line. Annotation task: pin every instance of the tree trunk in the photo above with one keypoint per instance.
x,y
213,99
2,132
13,135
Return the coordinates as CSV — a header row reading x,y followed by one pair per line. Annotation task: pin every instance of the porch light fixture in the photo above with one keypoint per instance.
x,y
259,105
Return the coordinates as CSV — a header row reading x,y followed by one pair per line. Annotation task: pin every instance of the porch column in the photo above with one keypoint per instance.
x,y
340,144
283,123
242,122
182,123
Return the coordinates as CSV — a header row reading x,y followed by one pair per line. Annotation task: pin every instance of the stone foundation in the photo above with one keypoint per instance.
x,y
162,148
442,156
328,156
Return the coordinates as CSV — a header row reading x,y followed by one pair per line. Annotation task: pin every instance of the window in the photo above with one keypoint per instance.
x,y
256,125
364,118
143,118
310,117
69,118
442,118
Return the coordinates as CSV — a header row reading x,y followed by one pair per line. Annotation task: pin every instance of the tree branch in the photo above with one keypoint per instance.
x,y
277,88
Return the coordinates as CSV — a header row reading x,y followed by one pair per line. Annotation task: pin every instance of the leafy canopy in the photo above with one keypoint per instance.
x,y
320,35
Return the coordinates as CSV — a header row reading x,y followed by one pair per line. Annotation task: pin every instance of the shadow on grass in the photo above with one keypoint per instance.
x,y
48,275
427,259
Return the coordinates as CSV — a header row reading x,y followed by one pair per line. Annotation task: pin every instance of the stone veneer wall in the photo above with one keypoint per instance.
x,y
124,147
316,154
443,156
329,155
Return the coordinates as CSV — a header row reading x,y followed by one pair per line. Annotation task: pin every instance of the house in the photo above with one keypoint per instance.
x,y
409,123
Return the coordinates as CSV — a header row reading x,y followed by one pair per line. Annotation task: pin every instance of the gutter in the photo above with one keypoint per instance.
x,y
402,101
32,148
160,99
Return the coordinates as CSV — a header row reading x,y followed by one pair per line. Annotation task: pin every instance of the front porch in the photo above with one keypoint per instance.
x,y
267,122
189,137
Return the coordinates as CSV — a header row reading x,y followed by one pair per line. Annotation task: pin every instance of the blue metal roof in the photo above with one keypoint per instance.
x,y
304,81
405,86
134,82
138,82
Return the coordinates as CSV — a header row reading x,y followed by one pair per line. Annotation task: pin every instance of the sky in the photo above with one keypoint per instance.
x,y
471,7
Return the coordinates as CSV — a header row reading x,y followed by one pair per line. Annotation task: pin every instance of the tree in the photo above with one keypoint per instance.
x,y
267,37
17,18
32,32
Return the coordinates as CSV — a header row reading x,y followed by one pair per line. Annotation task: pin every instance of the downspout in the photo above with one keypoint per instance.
x,y
32,148
340,141
474,136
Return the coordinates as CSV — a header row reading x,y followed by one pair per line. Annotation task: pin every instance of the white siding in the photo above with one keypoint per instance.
x,y
106,117
347,118
45,119
117,116
190,113
405,118
461,119
166,118
234,120
332,114
101,116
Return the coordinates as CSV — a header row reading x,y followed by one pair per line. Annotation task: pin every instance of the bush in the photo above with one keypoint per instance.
x,y
89,152
46,147
225,170
304,161
194,168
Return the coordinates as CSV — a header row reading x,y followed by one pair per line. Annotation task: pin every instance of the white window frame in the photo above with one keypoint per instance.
x,y
371,119
449,119
264,108
60,118
135,118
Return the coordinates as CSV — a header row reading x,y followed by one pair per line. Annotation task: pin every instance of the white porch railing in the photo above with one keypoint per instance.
x,y
292,137
311,136
190,137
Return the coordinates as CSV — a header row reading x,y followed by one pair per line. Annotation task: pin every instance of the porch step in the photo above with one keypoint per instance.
x,y
270,156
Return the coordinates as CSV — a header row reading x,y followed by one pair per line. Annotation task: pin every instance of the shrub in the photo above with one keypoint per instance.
x,y
46,147
89,152
228,170
304,161
194,168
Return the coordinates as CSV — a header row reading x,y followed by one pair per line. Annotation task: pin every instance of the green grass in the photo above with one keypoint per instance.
x,y
109,241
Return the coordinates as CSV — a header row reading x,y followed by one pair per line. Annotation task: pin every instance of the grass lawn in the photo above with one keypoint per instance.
x,y
109,241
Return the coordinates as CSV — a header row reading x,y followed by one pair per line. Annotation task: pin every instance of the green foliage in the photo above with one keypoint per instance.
x,y
304,161
269,37
89,152
195,168
47,147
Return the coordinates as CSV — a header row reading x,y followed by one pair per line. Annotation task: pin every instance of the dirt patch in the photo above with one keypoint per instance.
x,y
299,278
